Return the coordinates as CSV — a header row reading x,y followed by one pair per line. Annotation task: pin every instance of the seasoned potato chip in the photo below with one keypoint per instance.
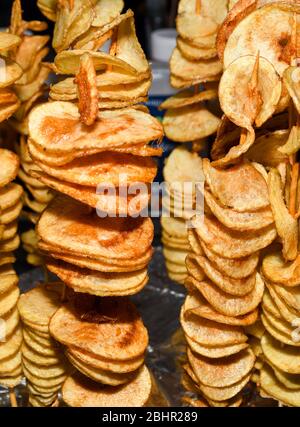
x,y
226,304
48,8
71,22
128,126
286,224
95,37
267,29
215,374
267,149
276,269
190,26
284,357
195,53
106,11
292,144
184,69
244,221
8,41
241,187
197,305
249,91
187,97
68,61
87,90
270,385
189,123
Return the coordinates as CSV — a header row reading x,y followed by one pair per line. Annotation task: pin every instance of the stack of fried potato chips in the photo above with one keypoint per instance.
x,y
91,143
11,332
30,89
224,284
181,167
187,117
245,249
43,360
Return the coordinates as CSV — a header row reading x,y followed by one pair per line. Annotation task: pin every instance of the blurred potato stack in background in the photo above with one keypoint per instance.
x,y
44,364
11,201
30,89
90,138
245,249
190,115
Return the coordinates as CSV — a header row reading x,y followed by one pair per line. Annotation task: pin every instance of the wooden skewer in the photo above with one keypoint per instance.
x,y
198,7
12,398
196,89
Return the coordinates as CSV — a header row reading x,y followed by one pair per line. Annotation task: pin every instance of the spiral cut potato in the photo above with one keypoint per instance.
x,y
189,117
245,248
30,89
11,332
44,364
92,137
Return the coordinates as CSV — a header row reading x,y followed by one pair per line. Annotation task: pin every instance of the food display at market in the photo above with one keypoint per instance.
x,y
91,314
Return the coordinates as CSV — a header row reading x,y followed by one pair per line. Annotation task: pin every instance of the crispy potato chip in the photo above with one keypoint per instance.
x,y
217,9
10,162
88,336
283,357
68,61
80,391
128,48
238,268
224,393
28,50
271,386
286,225
276,269
234,244
40,303
222,373
96,283
180,83
241,187
71,22
8,41
243,221
87,90
195,53
95,37
189,123
187,97
129,365
253,33
197,305
109,203
99,375
291,78
249,91
128,126
48,8
11,72
238,287
209,333
215,352
106,11
276,333
185,69
191,26
227,304
108,167
267,149
292,144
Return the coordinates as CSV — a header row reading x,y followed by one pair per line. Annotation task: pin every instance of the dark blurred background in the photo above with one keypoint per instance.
x,y
149,14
